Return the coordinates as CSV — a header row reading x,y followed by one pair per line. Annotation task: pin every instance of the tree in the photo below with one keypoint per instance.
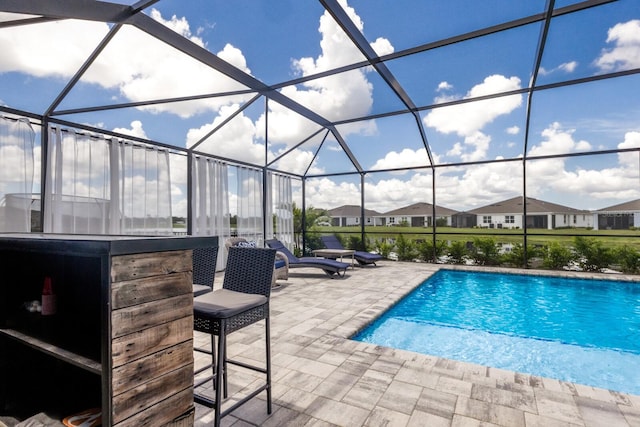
x,y
312,238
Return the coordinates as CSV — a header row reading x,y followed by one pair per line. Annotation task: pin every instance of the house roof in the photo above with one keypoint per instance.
x,y
632,205
350,211
420,209
514,205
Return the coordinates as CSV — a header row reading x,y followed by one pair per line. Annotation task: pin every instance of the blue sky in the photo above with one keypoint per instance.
x,y
281,40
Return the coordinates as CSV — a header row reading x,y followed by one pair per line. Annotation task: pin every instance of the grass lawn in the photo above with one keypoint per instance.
x,y
535,236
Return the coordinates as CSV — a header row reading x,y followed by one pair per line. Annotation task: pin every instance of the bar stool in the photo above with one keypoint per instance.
x,y
204,269
242,301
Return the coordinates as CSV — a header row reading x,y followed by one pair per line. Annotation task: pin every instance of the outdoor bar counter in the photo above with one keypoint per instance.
x,y
121,338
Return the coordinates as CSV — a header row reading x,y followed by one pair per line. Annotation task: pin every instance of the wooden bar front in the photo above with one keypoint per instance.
x,y
125,317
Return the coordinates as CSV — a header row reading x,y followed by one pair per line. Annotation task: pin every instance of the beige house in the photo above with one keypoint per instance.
x,y
350,215
618,217
418,215
540,214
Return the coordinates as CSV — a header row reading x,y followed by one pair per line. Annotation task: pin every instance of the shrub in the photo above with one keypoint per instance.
x,y
592,255
355,243
628,258
405,248
485,251
557,256
383,247
426,250
457,252
516,257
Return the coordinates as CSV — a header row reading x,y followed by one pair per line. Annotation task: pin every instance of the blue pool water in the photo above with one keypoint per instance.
x,y
583,331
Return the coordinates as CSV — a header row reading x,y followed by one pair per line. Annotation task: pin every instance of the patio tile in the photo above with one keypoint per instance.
x,y
522,400
366,393
401,397
534,420
462,421
421,419
489,412
597,413
382,417
336,385
557,405
337,412
438,403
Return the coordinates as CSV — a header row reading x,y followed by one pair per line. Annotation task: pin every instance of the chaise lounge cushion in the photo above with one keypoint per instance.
x,y
329,266
363,258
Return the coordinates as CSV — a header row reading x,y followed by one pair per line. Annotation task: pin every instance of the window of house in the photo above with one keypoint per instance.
x,y
510,219
575,219
486,219
392,220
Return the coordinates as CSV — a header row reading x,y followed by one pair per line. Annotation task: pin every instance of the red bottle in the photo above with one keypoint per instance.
x,y
48,298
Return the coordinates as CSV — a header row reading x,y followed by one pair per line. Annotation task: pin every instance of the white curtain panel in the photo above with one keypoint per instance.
x,y
249,203
98,185
281,205
144,189
16,174
210,202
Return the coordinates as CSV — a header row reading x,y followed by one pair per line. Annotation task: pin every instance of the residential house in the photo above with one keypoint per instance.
x,y
419,215
618,217
540,214
350,215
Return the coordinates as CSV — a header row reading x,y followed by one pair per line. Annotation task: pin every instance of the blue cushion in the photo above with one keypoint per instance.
x,y
280,263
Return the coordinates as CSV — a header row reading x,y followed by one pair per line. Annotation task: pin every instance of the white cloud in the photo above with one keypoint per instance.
x,y
402,159
235,140
513,130
297,161
382,46
37,49
325,193
631,140
135,64
567,67
444,86
339,96
479,144
625,54
558,141
135,130
467,119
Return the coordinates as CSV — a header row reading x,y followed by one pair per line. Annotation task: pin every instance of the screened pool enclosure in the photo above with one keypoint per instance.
x,y
213,117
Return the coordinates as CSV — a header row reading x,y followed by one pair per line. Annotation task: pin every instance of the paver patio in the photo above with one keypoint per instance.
x,y
322,378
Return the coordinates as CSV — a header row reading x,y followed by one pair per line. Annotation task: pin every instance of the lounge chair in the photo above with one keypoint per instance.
x,y
363,258
329,266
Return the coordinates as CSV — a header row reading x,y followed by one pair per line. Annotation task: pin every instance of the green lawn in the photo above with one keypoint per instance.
x,y
535,236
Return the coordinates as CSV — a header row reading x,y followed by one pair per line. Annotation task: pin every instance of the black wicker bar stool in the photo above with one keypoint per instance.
x,y
204,269
242,301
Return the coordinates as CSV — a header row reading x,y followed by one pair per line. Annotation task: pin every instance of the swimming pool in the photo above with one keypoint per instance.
x,y
583,331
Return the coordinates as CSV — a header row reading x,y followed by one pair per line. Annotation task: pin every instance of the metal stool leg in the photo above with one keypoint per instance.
x,y
222,344
268,359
